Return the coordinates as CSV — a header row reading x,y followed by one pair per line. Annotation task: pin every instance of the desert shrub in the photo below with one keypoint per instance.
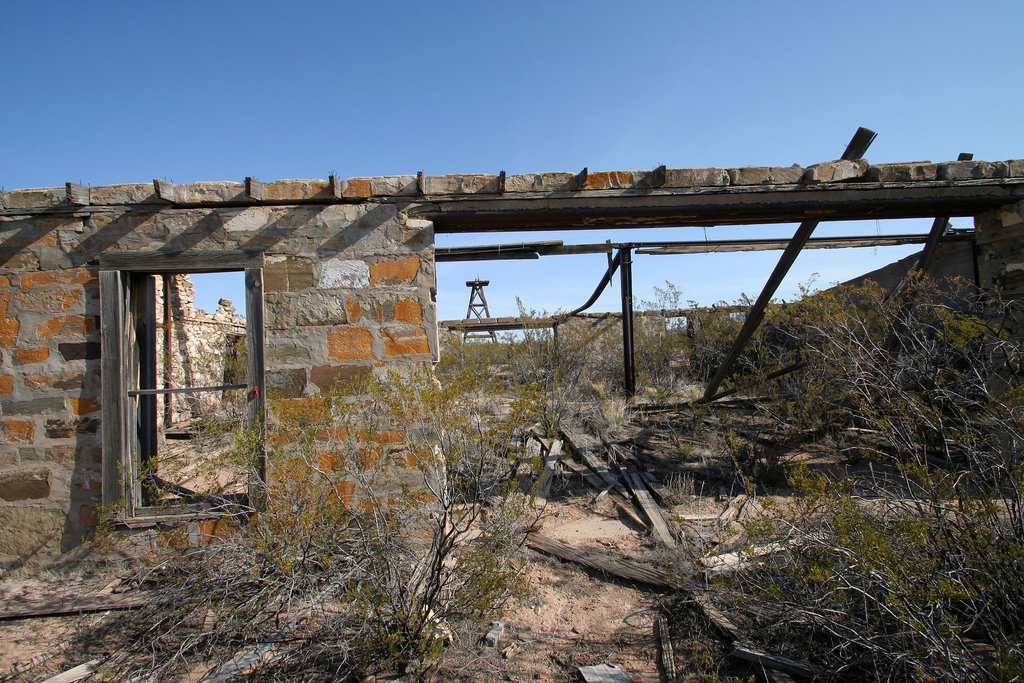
x,y
392,502
909,571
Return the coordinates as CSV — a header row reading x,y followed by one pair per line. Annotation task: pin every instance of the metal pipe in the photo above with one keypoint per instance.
x,y
168,341
607,278
625,260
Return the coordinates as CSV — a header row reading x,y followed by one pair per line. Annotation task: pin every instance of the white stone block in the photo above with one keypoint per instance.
x,y
338,272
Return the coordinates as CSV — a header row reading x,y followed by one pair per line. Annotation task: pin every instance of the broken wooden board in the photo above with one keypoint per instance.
x,y
587,475
749,653
721,622
745,650
246,660
734,508
649,507
547,475
575,440
76,674
602,562
732,562
666,657
657,490
604,673
617,499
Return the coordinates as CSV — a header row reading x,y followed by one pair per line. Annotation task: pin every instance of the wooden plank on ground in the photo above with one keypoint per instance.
x,y
721,622
245,660
731,562
749,653
652,482
76,674
602,562
602,471
649,507
84,607
666,658
732,510
588,476
603,673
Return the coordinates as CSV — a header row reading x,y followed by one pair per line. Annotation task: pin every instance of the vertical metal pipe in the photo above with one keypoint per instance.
x,y
626,280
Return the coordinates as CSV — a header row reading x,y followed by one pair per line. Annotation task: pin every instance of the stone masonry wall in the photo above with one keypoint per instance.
x,y
348,291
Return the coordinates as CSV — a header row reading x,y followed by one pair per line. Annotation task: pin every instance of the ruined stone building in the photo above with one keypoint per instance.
x,y
339,281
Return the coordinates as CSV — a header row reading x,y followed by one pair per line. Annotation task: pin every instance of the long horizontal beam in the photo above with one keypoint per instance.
x,y
523,250
514,323
675,207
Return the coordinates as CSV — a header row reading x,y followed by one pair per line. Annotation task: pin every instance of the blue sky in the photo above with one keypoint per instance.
x,y
101,93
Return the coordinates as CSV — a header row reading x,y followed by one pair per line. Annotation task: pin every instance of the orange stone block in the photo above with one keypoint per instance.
x,y
608,179
73,325
6,384
349,344
27,356
367,457
9,327
388,436
311,410
398,272
353,309
356,187
330,460
17,430
406,342
71,276
84,406
332,434
49,301
5,281
5,298
416,459
345,490
408,311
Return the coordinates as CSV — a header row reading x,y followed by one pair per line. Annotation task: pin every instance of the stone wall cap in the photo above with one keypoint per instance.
x,y
365,188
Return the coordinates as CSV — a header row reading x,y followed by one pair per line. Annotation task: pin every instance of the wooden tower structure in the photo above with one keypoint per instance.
x,y
478,309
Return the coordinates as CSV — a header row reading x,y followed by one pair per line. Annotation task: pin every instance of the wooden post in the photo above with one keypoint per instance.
x,y
113,390
255,373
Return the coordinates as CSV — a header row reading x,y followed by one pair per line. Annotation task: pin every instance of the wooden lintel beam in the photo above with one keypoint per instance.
x,y
670,207
77,194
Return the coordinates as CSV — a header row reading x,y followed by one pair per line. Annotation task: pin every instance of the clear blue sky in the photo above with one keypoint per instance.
x,y
109,92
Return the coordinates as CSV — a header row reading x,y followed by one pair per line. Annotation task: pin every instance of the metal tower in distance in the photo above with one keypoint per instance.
x,y
478,309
